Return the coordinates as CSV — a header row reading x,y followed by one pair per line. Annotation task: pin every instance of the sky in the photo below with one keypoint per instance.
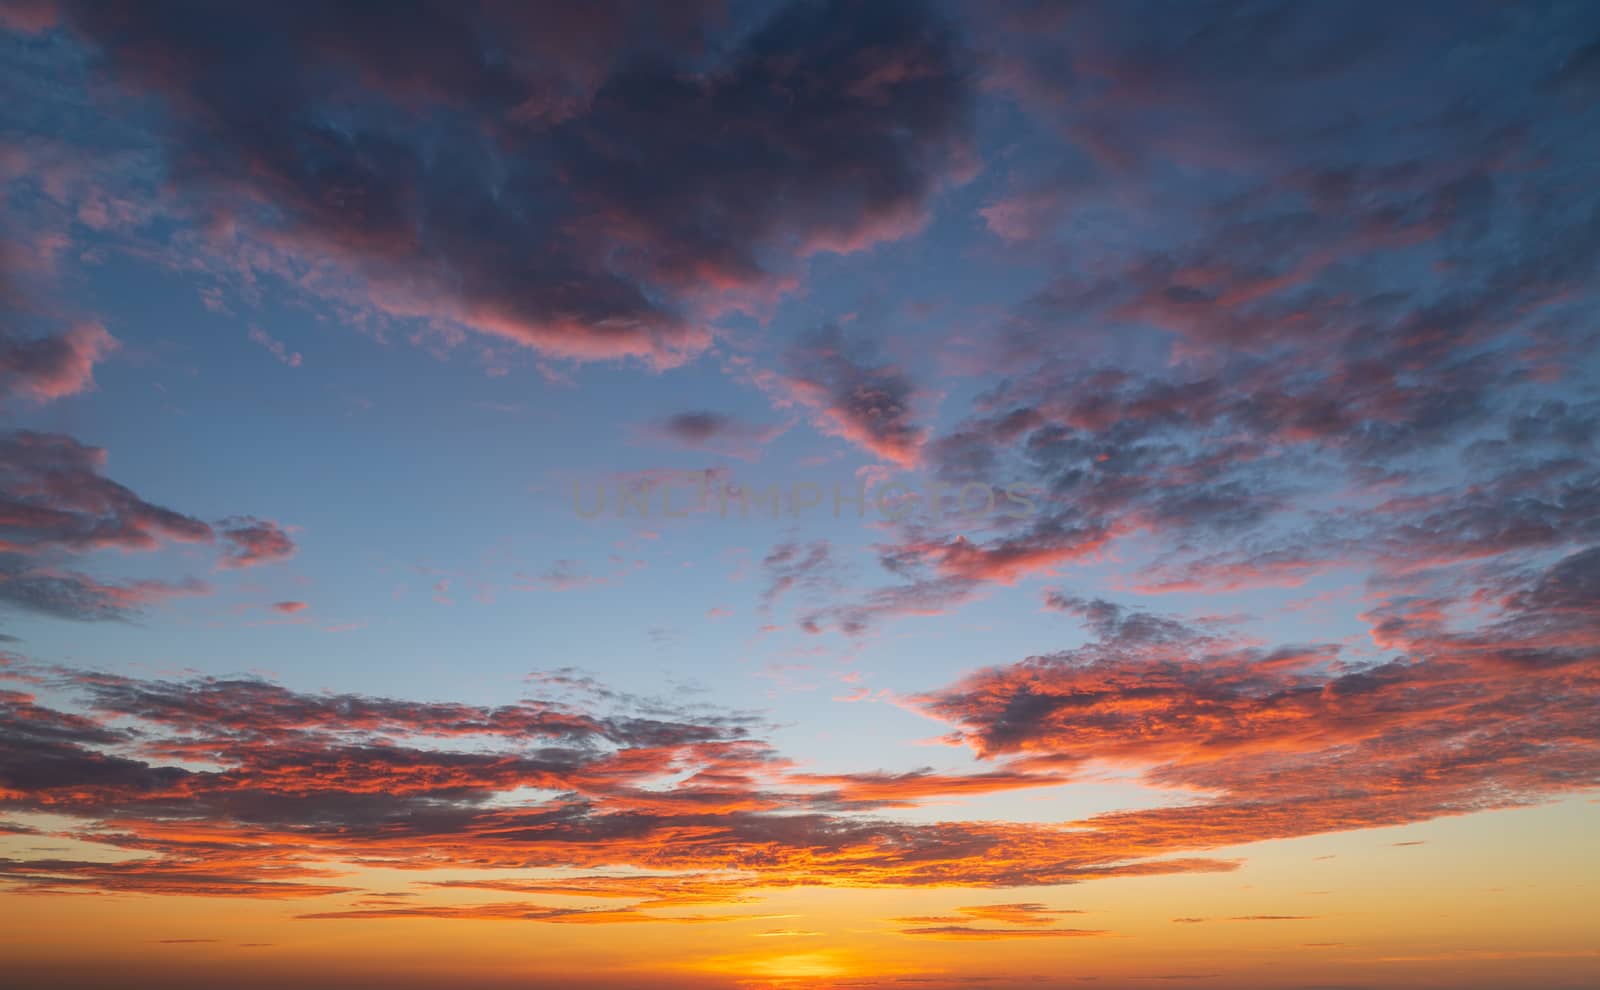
x,y
762,495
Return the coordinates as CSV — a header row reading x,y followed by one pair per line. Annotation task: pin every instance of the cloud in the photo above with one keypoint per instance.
x,y
853,397
1055,540
963,933
1302,739
807,567
1025,215
245,788
1224,487
1251,380
232,879
55,497
648,890
564,575
1273,917
56,507
28,15
513,912
714,432
251,541
786,933
46,368
570,575
1321,342
1026,913
924,597
565,212
911,788
276,347
70,595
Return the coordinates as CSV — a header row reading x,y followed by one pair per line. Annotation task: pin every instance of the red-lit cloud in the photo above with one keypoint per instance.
x,y
1301,739
275,785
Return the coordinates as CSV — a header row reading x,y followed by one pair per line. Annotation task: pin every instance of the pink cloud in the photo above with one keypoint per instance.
x,y
48,368
251,541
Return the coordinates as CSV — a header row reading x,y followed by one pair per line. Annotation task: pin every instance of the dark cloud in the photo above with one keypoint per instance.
x,y
57,507
54,496
592,180
1113,622
714,432
70,595
42,749
696,426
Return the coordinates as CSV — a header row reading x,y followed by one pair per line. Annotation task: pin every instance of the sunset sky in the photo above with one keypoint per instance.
x,y
760,495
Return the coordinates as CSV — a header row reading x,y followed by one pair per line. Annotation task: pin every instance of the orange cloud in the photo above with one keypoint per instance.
x,y
965,933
